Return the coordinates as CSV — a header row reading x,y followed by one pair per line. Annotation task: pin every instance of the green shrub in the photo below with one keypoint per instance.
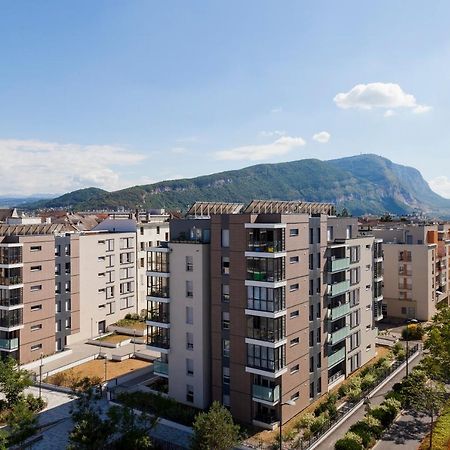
x,y
35,404
342,391
383,414
354,394
368,381
413,332
393,405
305,421
319,423
373,425
348,443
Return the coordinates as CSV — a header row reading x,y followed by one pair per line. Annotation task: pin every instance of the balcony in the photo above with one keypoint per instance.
x,y
336,357
338,335
9,345
377,311
336,312
11,299
10,320
158,294
159,316
11,281
266,394
160,368
338,288
11,256
336,265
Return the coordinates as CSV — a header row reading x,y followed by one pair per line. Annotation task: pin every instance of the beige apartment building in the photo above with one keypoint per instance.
x,y
293,304
416,269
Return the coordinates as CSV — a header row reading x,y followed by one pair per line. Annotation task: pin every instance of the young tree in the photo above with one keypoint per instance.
x,y
437,363
13,381
424,395
22,423
215,429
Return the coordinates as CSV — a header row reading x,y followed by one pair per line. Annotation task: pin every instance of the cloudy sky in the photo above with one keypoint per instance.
x,y
112,93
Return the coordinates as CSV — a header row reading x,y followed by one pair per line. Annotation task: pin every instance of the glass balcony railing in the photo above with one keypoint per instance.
x,y
339,335
266,393
337,312
336,357
9,344
339,264
338,288
160,293
10,281
160,367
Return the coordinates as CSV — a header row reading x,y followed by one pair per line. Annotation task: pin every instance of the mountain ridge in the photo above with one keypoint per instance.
x,y
363,184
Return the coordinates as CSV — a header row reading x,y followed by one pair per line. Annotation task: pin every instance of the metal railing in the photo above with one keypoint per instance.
x,y
304,444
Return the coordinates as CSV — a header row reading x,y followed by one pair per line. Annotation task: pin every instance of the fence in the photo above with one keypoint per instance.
x,y
349,406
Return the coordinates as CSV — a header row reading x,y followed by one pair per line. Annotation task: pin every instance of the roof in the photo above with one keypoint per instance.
x,y
207,208
6,213
289,207
36,229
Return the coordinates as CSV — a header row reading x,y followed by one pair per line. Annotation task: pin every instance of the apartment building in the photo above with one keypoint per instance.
x,y
39,295
107,276
178,320
416,269
293,304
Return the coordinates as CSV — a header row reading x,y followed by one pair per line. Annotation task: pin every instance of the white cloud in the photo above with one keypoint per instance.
x,y
420,109
389,113
31,166
323,137
279,147
272,133
378,95
440,185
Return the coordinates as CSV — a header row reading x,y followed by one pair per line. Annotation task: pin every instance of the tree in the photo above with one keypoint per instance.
x,y
437,363
424,395
22,423
13,381
120,429
215,429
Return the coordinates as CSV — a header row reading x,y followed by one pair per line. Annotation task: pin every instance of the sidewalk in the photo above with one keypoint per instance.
x,y
340,431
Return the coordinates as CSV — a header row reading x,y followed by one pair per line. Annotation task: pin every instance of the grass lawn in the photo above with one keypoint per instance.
x,y
441,432
267,436
96,368
113,338
132,324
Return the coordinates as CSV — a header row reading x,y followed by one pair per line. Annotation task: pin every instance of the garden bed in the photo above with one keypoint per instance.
x,y
159,406
441,432
95,370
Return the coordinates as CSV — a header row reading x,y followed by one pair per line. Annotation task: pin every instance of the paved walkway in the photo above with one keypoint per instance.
x,y
340,431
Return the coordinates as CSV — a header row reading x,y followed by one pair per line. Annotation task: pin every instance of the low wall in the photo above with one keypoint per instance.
x,y
47,359
127,331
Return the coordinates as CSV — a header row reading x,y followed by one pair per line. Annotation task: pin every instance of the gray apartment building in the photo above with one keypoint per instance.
x,y
292,305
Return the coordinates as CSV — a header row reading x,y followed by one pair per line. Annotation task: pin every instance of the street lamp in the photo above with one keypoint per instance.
x,y
290,403
409,321
40,376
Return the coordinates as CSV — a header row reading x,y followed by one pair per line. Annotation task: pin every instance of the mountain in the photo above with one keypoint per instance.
x,y
362,184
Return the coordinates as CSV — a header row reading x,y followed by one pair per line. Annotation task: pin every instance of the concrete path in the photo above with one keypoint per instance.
x,y
340,431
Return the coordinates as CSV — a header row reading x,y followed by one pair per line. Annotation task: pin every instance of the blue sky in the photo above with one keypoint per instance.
x,y
116,93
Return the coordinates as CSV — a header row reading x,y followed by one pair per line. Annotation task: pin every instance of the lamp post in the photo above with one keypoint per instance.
x,y
134,343
290,403
409,321
40,376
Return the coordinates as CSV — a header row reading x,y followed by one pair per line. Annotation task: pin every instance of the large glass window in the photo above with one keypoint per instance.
x,y
266,358
265,269
265,299
266,329
262,240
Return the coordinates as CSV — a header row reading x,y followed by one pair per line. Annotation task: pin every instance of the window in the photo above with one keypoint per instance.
x,y
226,375
36,347
368,347
354,297
189,288
225,320
189,367
319,359
311,312
189,315
295,369
318,310
36,308
35,248
58,288
311,390
127,302
189,393
225,265
355,254
226,400
35,288
225,293
67,250
58,325
36,268
189,341
36,327
293,232
67,268
57,250
58,307
311,338
58,269
266,358
319,385
348,232
293,287
294,341
68,323
355,275
318,336
355,340
189,263
295,396
294,259
355,318
226,348
225,238
110,308
294,314
67,286
311,261
330,234
142,231
109,292
311,235
158,230
68,305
